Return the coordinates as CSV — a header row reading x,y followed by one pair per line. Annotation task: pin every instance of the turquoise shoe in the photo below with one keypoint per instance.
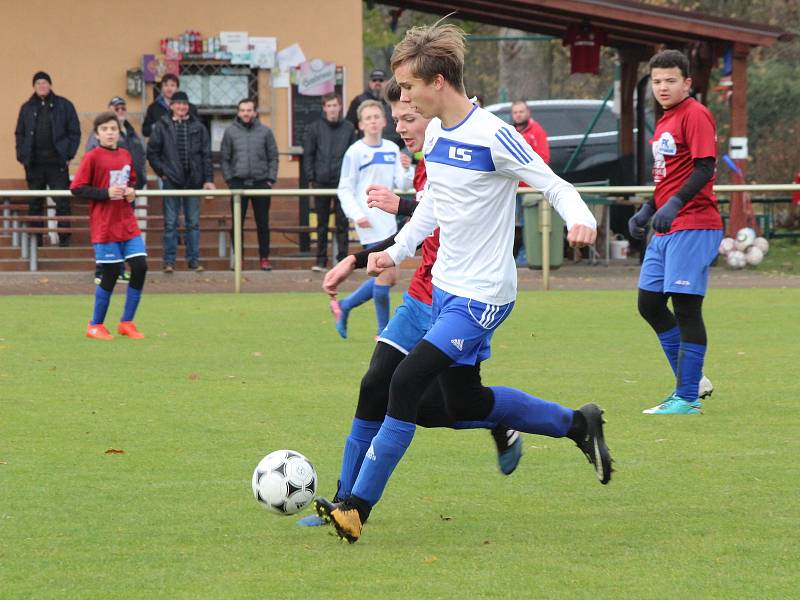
x,y
675,405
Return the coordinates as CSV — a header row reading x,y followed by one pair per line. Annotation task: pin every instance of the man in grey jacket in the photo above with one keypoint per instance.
x,y
250,161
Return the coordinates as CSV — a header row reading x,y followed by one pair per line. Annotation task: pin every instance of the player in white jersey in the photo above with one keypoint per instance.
x,y
371,160
474,163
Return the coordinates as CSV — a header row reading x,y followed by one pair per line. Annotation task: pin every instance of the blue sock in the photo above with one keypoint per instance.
x,y
386,450
102,298
355,447
380,296
690,370
523,412
131,303
670,343
357,298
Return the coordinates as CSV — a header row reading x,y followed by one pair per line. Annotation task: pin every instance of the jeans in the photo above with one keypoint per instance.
x,y
191,215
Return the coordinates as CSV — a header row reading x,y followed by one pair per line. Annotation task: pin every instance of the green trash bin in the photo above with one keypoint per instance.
x,y
532,231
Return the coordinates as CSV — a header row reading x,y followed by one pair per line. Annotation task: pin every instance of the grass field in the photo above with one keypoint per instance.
x,y
700,507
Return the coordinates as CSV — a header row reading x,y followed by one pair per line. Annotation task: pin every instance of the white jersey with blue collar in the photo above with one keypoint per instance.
x,y
362,166
473,172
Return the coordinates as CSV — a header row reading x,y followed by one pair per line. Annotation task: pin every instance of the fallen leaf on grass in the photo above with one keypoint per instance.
x,y
443,518
430,559
115,451
486,542
194,376
257,354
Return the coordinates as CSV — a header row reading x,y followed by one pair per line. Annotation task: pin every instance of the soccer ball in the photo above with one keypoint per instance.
x,y
284,482
727,245
736,259
762,244
754,255
745,238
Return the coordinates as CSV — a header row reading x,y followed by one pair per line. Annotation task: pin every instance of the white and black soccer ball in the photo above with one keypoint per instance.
x,y
754,255
762,244
745,238
736,259
726,246
285,482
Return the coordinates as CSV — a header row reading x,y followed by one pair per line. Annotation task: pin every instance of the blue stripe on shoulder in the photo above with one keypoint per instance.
x,y
461,155
381,158
504,135
511,150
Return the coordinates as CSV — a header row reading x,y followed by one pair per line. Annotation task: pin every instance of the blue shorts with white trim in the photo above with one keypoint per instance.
x,y
410,322
462,328
114,252
678,263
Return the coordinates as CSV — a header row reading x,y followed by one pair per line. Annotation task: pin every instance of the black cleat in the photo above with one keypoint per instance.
x,y
344,516
509,448
593,444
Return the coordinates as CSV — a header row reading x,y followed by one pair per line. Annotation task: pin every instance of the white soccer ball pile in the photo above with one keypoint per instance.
x,y
745,249
284,482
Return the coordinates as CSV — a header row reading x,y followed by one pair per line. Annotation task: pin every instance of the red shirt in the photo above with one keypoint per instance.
x,y
684,133
796,195
584,48
109,220
421,286
536,137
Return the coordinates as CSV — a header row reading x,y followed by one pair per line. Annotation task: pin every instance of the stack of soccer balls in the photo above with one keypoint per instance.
x,y
284,482
745,249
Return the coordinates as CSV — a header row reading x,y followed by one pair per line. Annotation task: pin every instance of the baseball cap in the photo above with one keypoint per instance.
x,y
377,74
117,101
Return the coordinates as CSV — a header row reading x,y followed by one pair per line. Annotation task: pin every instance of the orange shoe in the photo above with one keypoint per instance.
x,y
129,328
98,332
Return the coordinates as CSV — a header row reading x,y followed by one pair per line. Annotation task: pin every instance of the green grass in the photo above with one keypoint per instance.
x,y
700,507
783,256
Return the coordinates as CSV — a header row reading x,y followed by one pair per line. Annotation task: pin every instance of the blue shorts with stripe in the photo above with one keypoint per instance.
x,y
678,263
410,322
114,252
462,328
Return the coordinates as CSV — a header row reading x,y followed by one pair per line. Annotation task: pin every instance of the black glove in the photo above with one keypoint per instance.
x,y
662,220
638,222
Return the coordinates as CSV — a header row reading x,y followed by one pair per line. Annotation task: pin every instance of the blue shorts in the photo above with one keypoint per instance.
x,y
410,322
114,252
463,328
678,263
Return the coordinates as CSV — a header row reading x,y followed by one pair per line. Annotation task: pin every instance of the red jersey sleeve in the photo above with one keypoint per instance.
x,y
83,176
700,133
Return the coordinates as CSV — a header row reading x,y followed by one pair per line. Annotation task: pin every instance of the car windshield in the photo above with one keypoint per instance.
x,y
568,120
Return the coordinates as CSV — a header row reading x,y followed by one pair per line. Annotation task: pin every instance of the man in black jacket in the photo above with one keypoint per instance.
x,y
250,161
179,152
48,135
324,146
160,106
374,91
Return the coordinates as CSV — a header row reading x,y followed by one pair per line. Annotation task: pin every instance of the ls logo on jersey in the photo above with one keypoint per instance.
x,y
461,155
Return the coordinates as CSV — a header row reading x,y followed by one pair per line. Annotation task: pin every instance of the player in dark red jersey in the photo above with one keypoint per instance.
x,y
408,325
107,179
688,230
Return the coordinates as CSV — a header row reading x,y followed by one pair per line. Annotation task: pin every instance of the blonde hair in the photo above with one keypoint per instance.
x,y
433,50
369,104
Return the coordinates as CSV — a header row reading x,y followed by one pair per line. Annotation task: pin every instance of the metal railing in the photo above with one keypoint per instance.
x,y
236,194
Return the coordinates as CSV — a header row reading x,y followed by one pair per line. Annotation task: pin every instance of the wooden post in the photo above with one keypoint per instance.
x,y
628,74
741,214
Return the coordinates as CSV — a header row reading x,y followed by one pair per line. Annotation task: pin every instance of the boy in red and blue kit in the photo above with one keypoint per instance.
x,y
688,230
107,179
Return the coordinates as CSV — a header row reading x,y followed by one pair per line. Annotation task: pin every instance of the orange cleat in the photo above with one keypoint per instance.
x,y
98,332
129,328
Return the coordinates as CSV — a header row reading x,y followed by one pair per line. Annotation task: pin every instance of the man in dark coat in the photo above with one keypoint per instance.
x,y
374,91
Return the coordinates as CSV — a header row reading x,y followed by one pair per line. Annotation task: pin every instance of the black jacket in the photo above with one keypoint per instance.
x,y
64,121
133,144
389,132
155,111
323,150
162,153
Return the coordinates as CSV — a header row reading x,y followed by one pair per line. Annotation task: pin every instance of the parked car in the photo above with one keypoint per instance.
x,y
566,122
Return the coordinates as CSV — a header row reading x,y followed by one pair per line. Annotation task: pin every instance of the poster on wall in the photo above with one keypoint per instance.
x,y
262,52
305,109
155,66
316,77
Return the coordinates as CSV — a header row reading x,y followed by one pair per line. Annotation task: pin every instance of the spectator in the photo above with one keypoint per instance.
x,y
48,135
536,137
130,140
250,161
374,91
325,144
161,105
180,154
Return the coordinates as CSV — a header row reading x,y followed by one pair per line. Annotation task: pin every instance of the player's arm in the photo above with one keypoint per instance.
x,y
348,187
701,174
420,226
379,196
81,185
513,156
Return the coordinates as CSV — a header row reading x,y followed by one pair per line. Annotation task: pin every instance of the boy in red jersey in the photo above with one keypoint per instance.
x,y
405,329
688,230
107,179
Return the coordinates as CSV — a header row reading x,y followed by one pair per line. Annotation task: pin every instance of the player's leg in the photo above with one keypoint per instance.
x,y
380,297
687,260
136,257
341,309
110,254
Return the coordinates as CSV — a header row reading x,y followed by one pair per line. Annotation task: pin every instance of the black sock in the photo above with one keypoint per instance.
x,y
577,431
362,506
